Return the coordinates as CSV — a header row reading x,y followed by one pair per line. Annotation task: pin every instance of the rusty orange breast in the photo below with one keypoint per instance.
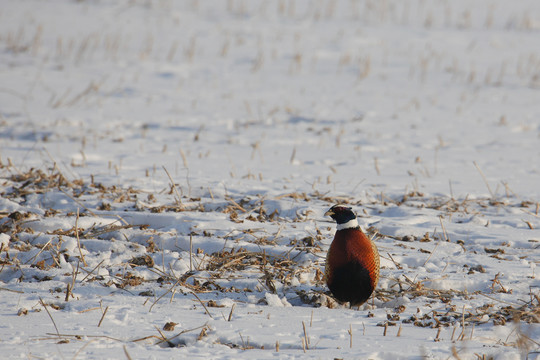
x,y
352,245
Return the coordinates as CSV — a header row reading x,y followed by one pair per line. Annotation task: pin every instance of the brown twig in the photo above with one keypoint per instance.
x,y
77,236
305,335
103,316
126,353
50,316
230,314
173,185
91,271
168,291
180,333
204,306
484,178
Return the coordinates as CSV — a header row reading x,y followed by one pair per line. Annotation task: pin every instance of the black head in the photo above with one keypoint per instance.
x,y
341,214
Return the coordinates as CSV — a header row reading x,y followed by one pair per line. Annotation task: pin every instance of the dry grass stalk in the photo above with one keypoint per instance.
x,y
245,345
437,337
77,236
178,197
168,291
204,306
69,287
446,238
231,313
453,333
293,155
127,353
485,180
306,338
431,254
161,341
92,271
103,316
83,347
376,164
79,336
50,316
40,251
190,252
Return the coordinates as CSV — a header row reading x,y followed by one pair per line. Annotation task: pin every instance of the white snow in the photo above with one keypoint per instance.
x,y
201,143
4,240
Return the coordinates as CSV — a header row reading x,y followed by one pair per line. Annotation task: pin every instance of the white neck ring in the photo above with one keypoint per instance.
x,y
351,224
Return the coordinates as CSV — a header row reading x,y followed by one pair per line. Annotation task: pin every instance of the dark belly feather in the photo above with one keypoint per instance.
x,y
351,282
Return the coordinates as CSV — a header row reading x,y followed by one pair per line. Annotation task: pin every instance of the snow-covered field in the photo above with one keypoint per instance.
x,y
165,167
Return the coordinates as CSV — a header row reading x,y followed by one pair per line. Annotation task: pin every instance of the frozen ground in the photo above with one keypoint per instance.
x,y
170,162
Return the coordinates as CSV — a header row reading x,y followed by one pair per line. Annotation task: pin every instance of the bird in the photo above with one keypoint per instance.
x,y
352,262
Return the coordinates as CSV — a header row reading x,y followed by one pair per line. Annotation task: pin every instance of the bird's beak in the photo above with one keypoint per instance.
x,y
329,213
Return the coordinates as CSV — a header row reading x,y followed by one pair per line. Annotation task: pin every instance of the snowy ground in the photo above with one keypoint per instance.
x,y
170,162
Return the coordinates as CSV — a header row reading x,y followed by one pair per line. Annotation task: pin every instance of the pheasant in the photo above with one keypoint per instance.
x,y
352,262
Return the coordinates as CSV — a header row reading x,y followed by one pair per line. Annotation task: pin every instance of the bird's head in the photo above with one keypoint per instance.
x,y
341,214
